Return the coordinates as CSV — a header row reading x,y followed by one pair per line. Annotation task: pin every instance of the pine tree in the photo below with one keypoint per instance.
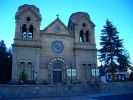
x,y
3,53
5,63
9,67
124,61
111,46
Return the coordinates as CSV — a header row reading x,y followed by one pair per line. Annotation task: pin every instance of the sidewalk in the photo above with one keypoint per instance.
x,y
56,98
101,96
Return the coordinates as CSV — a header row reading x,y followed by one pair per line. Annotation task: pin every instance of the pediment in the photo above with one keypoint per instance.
x,y
57,27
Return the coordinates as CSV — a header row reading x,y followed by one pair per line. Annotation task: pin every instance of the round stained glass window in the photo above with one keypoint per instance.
x,y
57,46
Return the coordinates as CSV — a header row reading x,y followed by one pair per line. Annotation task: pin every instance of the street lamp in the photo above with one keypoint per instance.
x,y
71,71
33,74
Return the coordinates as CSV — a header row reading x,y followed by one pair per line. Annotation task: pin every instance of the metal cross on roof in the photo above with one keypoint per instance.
x,y
57,15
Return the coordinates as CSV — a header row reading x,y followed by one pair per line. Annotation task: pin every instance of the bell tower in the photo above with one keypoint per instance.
x,y
27,42
83,28
28,20
85,47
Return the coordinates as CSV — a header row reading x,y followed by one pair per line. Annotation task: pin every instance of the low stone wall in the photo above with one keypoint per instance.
x,y
17,91
9,91
116,87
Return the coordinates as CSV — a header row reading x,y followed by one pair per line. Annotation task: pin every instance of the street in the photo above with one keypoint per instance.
x,y
88,97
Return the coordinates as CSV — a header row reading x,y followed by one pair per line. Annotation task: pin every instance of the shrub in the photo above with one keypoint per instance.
x,y
23,76
13,82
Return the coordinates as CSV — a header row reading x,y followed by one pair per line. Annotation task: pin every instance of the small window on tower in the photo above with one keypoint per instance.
x,y
24,31
28,19
84,25
87,35
30,34
81,36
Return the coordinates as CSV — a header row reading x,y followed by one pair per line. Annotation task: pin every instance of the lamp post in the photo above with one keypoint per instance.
x,y
94,68
95,72
36,76
33,74
71,72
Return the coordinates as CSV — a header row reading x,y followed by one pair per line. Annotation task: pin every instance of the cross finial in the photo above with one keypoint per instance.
x,y
57,15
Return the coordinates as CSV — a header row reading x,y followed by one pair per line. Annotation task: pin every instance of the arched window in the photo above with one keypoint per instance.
x,y
21,68
22,64
87,36
81,36
30,70
57,66
29,64
24,31
27,31
30,34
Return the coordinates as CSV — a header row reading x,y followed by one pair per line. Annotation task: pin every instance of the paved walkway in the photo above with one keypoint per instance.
x,y
56,98
101,96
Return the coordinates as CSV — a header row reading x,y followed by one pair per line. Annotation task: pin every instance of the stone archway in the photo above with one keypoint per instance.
x,y
57,71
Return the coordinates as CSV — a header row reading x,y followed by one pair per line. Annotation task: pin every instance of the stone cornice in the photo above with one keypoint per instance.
x,y
56,34
25,45
86,49
20,39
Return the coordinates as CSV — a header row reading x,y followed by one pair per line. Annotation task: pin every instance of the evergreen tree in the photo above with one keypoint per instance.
x,y
111,47
5,63
9,67
3,53
124,61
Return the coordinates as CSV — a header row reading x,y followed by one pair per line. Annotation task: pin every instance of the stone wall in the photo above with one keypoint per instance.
x,y
28,91
116,87
15,91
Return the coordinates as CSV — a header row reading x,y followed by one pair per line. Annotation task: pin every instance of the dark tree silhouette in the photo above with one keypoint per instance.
x,y
5,63
124,61
112,51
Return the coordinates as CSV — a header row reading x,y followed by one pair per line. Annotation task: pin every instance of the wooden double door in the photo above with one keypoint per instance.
x,y
57,72
57,76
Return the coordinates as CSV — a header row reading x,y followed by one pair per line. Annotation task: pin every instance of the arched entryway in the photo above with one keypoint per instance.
x,y
57,71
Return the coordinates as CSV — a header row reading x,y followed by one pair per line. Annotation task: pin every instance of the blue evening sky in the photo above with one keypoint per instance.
x,y
120,12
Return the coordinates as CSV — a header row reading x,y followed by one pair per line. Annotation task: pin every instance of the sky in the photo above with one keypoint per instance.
x,y
119,12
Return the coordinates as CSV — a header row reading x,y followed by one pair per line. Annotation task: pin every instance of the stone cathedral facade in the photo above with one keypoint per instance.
x,y
58,53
